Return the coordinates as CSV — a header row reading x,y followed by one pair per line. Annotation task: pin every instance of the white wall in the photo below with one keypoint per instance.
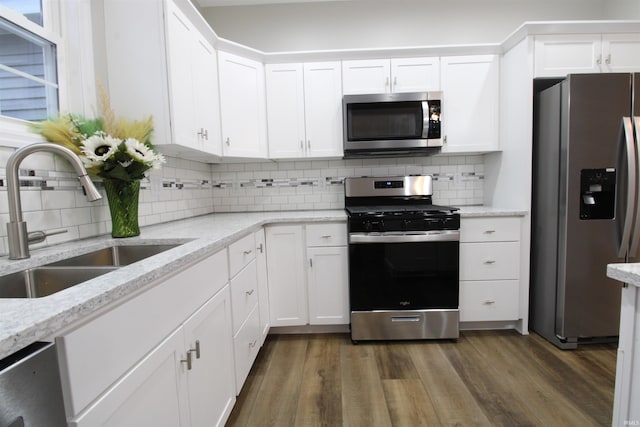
x,y
382,23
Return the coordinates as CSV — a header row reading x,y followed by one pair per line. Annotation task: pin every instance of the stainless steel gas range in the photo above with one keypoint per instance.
x,y
403,260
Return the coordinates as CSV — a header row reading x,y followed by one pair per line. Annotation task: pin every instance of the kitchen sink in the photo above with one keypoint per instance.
x,y
114,255
48,279
42,281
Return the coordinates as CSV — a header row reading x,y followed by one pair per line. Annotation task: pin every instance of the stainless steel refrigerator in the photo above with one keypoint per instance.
x,y
584,204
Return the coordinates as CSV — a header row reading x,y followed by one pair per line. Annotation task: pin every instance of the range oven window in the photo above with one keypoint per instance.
x,y
404,276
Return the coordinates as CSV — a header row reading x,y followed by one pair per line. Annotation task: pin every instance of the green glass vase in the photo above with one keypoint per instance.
x,y
123,204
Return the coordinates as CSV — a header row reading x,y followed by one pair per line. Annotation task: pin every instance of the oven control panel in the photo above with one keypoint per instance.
x,y
391,223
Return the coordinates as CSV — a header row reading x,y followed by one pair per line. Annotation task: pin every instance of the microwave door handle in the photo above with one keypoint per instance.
x,y
627,129
635,235
425,119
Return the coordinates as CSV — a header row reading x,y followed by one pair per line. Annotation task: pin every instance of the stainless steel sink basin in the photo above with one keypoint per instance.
x,y
51,278
42,281
114,255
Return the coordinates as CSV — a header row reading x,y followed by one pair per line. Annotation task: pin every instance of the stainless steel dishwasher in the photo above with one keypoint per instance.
x,y
30,390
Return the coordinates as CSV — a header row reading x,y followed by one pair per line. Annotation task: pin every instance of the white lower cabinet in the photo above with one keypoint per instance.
x,y
247,331
263,283
186,380
312,291
489,269
328,274
162,358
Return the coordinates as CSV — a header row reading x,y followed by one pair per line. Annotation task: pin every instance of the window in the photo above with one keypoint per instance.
x,y
28,72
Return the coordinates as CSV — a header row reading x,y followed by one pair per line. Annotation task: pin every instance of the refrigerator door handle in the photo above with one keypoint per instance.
x,y
635,234
627,127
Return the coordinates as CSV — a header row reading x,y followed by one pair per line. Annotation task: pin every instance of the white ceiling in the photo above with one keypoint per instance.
x,y
213,3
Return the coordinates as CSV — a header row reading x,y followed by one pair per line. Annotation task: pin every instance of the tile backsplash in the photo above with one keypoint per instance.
x,y
318,184
52,197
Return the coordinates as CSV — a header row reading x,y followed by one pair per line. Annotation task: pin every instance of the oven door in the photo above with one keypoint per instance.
x,y
390,271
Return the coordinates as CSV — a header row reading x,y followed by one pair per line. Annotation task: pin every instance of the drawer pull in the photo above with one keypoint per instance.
x,y
250,292
489,231
326,236
489,302
489,261
253,344
187,361
260,248
406,319
247,252
196,350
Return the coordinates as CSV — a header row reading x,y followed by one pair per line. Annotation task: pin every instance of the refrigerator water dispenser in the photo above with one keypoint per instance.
x,y
597,193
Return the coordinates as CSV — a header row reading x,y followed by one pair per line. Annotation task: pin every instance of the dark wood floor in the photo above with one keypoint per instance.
x,y
489,378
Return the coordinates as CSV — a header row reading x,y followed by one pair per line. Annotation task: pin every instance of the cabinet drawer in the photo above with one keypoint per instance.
x,y
246,344
490,229
241,253
96,354
244,294
333,234
489,300
489,261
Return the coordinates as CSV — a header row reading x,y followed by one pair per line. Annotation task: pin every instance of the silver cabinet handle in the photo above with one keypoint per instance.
x,y
228,141
247,252
310,262
489,231
608,59
599,60
188,361
249,293
395,81
489,261
386,82
301,144
326,236
309,144
260,248
204,134
196,350
488,302
253,344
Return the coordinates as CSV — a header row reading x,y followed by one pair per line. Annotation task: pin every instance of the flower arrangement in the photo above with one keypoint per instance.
x,y
117,150
110,148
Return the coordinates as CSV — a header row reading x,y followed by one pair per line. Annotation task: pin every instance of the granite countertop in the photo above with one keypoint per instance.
x,y
627,273
24,321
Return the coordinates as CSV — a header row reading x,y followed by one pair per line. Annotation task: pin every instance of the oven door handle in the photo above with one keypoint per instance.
x,y
426,236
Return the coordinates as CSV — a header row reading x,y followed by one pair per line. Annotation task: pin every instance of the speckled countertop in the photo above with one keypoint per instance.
x,y
23,321
627,273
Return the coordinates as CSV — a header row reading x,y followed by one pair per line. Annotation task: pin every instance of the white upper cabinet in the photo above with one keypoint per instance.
x,y
470,105
559,55
391,75
304,110
160,64
242,104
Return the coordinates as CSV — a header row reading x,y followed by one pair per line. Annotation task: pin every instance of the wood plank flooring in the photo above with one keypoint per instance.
x,y
486,378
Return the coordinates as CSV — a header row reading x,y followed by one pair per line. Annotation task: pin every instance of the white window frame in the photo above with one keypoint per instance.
x,y
15,132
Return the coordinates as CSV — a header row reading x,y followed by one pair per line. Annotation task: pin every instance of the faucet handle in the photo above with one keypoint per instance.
x,y
39,236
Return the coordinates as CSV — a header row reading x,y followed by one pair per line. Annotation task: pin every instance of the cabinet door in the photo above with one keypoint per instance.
x,y
559,55
621,53
242,106
323,109
415,74
470,103
210,380
328,285
263,283
153,393
180,40
287,278
285,110
366,76
207,111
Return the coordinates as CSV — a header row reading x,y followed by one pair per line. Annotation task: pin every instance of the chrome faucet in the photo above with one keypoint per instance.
x,y
18,236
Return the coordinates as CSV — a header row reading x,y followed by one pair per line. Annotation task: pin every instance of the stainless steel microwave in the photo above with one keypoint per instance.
x,y
392,124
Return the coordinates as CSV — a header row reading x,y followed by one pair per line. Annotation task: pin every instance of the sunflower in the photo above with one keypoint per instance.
x,y
98,148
